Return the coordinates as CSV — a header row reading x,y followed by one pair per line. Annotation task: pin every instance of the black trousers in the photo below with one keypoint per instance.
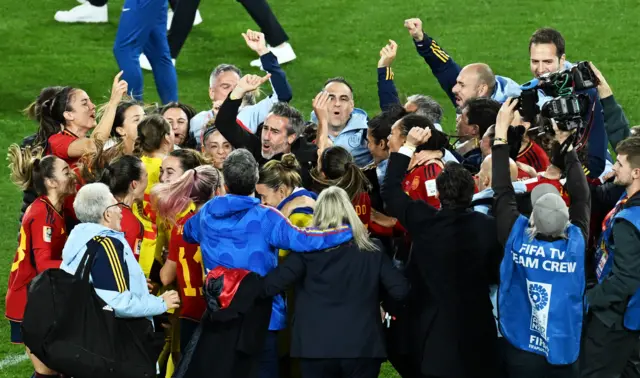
x,y
340,367
521,364
606,350
185,13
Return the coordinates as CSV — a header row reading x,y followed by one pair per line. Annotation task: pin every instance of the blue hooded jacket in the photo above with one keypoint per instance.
x,y
238,232
353,137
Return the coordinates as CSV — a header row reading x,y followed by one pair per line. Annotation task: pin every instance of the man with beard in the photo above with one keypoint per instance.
x,y
280,131
614,303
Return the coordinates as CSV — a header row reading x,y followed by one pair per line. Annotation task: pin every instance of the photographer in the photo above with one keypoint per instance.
x,y
542,283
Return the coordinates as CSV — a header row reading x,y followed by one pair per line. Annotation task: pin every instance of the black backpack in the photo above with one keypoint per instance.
x,y
74,332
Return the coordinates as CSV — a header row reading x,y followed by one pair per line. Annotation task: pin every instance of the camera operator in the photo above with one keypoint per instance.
x,y
547,56
542,281
614,322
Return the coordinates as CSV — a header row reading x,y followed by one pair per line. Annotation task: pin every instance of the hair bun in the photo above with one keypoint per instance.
x,y
289,161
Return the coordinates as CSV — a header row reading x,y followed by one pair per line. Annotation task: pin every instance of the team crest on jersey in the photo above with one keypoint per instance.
x,y
415,183
46,233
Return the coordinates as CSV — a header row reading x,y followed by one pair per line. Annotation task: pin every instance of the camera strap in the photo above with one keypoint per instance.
x,y
585,137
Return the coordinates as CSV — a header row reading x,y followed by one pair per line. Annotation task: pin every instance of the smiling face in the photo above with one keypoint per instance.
x,y
396,139
63,181
274,136
544,59
340,104
170,170
83,111
140,185
179,124
378,150
218,148
467,86
223,85
132,117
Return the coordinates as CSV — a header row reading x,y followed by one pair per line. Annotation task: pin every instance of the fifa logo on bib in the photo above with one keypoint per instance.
x,y
540,298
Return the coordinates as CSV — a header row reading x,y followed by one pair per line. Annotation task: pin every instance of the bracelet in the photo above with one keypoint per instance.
x,y
501,140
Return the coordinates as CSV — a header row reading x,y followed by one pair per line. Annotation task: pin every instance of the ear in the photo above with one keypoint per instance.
x,y
383,144
51,183
291,138
120,131
134,184
68,116
484,90
635,173
476,130
563,59
211,93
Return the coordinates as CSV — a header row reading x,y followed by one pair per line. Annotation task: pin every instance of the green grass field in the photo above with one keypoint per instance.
x,y
331,38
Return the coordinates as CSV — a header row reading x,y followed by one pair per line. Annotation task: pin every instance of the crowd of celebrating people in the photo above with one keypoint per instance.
x,y
262,243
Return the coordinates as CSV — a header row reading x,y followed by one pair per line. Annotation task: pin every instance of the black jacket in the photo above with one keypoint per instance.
x,y
306,153
228,342
608,300
337,312
454,258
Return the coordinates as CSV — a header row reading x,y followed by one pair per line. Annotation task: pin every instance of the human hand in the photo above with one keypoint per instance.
x,y
418,136
216,106
248,83
420,158
388,54
321,107
256,42
119,88
171,299
505,117
604,90
414,26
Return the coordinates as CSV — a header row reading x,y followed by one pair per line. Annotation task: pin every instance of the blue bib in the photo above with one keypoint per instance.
x,y
541,293
604,262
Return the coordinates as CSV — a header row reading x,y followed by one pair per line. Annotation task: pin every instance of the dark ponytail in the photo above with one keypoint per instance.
x,y
52,110
119,174
340,170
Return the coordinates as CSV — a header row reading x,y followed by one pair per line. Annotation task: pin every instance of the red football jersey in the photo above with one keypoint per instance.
x,y
42,237
59,146
132,228
189,271
532,183
362,205
420,183
534,156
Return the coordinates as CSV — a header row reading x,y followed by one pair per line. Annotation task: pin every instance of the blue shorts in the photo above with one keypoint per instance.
x,y
16,332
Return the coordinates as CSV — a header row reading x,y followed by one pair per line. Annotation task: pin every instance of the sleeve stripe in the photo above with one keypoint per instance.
x,y
115,264
440,55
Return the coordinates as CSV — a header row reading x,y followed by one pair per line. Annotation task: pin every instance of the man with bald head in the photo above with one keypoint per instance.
x,y
474,80
483,200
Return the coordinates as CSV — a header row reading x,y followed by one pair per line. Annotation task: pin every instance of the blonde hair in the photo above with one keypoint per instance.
x,y
333,208
281,172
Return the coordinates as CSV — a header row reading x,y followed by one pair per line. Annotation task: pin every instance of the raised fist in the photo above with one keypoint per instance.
x,y
414,26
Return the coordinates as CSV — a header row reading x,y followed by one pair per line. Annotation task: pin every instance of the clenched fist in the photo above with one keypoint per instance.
x,y
414,26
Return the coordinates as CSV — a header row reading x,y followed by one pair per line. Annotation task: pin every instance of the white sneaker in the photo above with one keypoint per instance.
x,y
145,65
198,20
169,19
85,13
284,53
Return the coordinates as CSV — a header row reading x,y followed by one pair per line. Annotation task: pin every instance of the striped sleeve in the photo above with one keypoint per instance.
x,y
109,271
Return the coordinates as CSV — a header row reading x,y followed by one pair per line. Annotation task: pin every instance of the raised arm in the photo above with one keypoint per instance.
x,y
578,188
226,123
444,68
398,204
280,233
616,123
387,93
505,207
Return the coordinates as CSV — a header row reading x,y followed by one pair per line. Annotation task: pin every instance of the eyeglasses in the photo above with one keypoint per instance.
x,y
104,213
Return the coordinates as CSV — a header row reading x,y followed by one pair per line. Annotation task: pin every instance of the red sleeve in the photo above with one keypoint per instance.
x,y
41,234
59,145
174,243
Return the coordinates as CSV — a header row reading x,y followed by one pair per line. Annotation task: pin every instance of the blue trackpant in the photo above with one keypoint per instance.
x,y
143,28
